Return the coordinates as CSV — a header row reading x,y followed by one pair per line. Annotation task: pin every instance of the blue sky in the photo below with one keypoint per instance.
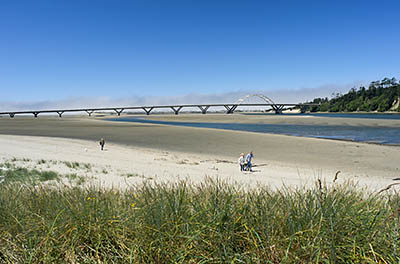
x,y
60,50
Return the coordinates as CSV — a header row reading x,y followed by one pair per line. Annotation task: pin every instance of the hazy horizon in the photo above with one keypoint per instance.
x,y
110,53
278,96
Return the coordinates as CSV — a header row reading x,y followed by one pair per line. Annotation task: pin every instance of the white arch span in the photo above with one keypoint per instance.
x,y
263,97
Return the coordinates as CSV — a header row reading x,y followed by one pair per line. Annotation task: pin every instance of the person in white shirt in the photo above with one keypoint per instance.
x,y
241,162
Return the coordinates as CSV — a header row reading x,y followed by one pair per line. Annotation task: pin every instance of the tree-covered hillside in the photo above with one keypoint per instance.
x,y
380,96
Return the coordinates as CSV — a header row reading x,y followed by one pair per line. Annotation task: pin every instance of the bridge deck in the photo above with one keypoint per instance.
x,y
230,108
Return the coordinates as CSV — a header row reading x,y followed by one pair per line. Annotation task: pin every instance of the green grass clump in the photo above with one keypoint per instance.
x,y
72,165
9,173
77,179
42,161
213,222
76,165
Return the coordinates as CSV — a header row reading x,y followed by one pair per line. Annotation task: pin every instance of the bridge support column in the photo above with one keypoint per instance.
x,y
204,109
303,109
90,112
147,110
119,111
278,108
35,114
12,115
176,110
230,109
60,113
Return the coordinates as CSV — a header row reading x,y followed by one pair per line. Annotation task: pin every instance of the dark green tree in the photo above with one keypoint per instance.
x,y
380,96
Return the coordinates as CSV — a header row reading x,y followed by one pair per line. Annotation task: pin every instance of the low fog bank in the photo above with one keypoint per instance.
x,y
278,96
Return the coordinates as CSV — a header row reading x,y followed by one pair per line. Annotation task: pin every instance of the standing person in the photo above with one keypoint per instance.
x,y
241,162
102,143
249,157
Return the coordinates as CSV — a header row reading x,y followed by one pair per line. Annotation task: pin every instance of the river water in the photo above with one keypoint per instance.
x,y
371,134
342,115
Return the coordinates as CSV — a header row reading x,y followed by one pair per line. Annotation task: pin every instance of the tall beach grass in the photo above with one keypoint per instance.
x,y
213,222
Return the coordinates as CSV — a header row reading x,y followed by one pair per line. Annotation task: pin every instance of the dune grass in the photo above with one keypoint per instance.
x,y
213,222
10,173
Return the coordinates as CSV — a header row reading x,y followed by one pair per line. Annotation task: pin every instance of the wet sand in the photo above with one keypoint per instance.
x,y
283,159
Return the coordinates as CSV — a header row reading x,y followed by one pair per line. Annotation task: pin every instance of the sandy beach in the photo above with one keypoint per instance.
x,y
147,152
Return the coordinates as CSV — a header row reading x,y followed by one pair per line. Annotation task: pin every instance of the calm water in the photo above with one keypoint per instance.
x,y
381,135
345,115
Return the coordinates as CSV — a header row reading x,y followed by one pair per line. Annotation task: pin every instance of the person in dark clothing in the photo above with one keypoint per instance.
x,y
102,143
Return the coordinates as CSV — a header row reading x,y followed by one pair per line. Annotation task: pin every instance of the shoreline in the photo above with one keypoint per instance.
x,y
115,167
144,120
175,153
271,119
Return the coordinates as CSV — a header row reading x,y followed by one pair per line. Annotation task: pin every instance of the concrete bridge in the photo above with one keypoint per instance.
x,y
230,108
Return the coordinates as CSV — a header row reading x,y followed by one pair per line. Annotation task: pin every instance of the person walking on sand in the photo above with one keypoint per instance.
x,y
241,162
102,143
249,157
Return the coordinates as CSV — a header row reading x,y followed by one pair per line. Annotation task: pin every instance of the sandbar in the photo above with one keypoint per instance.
x,y
169,153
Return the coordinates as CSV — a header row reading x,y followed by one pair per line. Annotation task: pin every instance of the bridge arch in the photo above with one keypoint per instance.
x,y
276,107
263,97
